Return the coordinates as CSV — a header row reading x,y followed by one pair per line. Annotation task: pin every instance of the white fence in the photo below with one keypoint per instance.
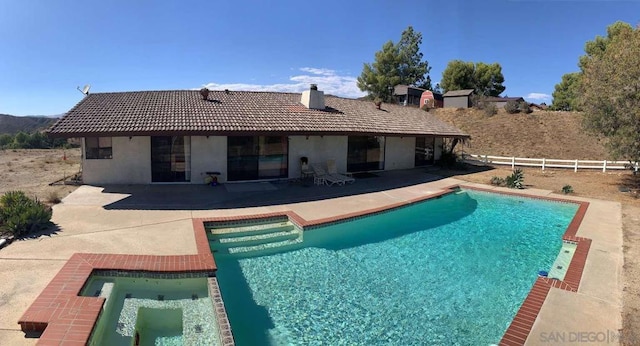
x,y
604,165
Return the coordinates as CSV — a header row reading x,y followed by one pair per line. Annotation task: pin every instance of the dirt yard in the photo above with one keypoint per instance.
x,y
33,170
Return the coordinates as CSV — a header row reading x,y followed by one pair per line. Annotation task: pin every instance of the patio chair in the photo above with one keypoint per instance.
x,y
305,170
332,170
321,177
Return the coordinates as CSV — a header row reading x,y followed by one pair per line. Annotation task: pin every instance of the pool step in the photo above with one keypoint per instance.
x,y
251,229
249,240
265,246
253,237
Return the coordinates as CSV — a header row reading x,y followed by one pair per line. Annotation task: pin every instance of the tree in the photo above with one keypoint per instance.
x,y
399,63
458,75
598,46
565,95
485,79
5,140
610,92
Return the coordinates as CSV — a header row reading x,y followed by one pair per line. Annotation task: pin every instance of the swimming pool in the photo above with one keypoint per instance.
x,y
453,270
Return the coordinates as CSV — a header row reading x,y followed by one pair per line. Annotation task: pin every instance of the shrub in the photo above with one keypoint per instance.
x,y
478,101
490,109
567,189
497,181
524,107
511,107
516,179
20,214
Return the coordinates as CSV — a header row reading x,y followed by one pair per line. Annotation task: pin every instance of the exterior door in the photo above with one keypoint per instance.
x,y
365,153
257,157
170,159
424,151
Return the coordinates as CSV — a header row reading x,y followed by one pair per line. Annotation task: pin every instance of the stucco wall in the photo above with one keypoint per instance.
x,y
208,155
131,163
400,153
318,149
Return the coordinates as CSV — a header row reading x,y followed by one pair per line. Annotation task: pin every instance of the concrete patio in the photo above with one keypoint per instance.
x,y
156,220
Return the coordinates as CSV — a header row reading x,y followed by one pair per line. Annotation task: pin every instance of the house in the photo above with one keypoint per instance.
x,y
431,99
145,137
408,95
458,98
500,102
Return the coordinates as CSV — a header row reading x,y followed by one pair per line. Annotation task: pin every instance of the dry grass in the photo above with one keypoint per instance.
x,y
32,170
554,135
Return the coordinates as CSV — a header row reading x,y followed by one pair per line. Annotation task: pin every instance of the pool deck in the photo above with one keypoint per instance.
x,y
157,220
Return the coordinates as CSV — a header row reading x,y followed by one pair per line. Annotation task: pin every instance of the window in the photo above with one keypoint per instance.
x,y
98,148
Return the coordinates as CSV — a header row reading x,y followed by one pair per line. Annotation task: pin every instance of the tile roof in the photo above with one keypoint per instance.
x,y
464,92
184,112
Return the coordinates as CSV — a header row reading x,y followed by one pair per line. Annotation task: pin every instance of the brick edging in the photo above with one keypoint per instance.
x,y
65,318
522,323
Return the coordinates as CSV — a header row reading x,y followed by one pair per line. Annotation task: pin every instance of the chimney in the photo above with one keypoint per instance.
x,y
312,98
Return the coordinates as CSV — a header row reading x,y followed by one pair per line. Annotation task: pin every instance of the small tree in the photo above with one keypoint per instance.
x,y
511,107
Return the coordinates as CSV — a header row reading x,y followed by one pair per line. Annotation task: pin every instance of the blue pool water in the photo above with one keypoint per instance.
x,y
453,270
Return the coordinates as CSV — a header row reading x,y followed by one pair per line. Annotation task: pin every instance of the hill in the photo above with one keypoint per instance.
x,y
543,134
12,124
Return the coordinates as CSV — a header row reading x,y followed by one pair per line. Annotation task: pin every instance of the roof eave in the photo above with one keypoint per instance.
x,y
251,133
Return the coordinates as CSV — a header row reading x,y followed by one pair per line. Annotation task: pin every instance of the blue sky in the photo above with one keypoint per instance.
x,y
49,47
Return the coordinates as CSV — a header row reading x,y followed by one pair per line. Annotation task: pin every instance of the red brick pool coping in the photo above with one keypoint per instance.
x,y
64,318
521,325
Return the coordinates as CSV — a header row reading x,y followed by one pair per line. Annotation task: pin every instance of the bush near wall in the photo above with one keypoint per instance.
x,y
511,107
20,215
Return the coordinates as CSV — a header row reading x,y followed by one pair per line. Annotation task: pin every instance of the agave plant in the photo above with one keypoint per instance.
x,y
516,179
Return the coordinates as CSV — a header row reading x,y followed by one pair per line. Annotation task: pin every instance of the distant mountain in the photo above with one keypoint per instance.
x,y
12,124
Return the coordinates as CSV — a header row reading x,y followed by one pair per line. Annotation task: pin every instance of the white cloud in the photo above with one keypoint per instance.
x,y
327,80
538,97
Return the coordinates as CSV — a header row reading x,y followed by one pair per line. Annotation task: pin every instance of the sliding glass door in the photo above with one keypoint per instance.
x,y
170,159
257,157
365,153
424,151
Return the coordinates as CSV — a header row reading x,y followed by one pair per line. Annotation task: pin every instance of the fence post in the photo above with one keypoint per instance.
x,y
543,163
576,167
486,159
513,163
604,166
